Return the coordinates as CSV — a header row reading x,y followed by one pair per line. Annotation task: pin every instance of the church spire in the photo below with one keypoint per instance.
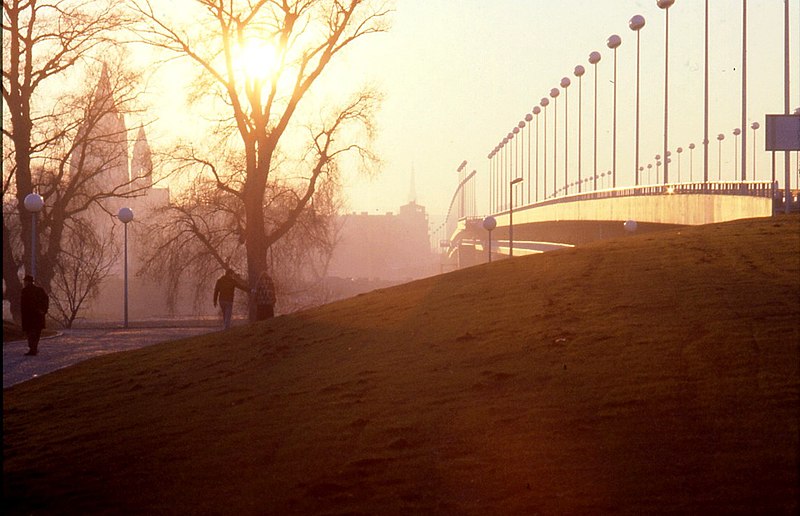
x,y
142,162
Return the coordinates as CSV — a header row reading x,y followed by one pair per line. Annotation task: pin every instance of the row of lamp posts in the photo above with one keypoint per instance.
x,y
34,203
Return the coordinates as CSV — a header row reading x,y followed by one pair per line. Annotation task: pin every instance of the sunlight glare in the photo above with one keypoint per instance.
x,y
255,59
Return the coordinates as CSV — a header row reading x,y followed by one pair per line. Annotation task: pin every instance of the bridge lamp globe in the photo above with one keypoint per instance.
x,y
720,137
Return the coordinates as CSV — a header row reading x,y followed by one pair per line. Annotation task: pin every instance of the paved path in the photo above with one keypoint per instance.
x,y
76,345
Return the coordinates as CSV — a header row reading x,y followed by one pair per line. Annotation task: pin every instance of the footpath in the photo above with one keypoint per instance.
x,y
75,345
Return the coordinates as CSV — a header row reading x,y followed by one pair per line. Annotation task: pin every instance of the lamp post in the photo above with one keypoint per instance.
x,y
720,137
528,118
691,162
504,176
594,58
511,215
579,71
613,42
554,94
491,177
705,100
666,4
33,203
544,102
736,133
536,111
649,170
565,82
125,215
636,23
744,91
489,223
512,149
754,126
680,151
658,167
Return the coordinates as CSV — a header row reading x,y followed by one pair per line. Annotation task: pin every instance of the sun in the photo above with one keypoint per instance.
x,y
255,59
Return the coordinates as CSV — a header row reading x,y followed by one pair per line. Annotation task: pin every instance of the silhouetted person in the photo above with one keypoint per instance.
x,y
34,305
265,297
223,292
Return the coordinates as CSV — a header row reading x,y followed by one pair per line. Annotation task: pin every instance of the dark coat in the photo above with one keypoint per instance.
x,y
34,305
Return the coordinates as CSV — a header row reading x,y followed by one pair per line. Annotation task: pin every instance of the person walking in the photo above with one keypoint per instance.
x,y
265,297
34,304
223,292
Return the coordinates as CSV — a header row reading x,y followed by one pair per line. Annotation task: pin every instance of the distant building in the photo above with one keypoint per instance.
x,y
102,154
390,247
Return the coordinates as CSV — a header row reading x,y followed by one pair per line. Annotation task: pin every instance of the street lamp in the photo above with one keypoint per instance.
x,y
554,94
536,111
636,23
613,42
125,215
691,162
594,58
565,82
491,176
528,118
511,168
720,137
736,133
579,71
754,126
649,170
489,223
679,150
511,215
658,165
666,4
544,102
33,203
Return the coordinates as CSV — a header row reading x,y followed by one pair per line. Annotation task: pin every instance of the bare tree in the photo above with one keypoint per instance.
x,y
43,132
304,35
85,260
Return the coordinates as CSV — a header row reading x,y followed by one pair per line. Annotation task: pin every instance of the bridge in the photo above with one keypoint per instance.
x,y
579,218
541,188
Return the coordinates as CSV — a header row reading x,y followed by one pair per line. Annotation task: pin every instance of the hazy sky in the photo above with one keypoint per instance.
x,y
458,75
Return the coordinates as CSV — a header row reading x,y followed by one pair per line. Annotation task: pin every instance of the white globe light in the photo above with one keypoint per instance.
x,y
614,41
579,71
565,82
537,110
489,223
755,125
529,117
594,57
125,215
554,92
737,132
545,101
33,202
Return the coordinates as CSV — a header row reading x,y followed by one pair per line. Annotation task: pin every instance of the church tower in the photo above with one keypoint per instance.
x,y
101,146
141,162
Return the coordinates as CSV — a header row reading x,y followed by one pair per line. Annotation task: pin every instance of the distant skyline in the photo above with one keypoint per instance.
x,y
459,75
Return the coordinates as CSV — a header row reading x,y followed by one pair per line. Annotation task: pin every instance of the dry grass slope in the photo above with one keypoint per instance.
x,y
652,374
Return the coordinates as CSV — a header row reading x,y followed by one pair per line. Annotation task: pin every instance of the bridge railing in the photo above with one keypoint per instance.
x,y
752,189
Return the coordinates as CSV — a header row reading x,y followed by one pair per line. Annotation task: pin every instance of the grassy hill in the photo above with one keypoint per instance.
x,y
655,373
